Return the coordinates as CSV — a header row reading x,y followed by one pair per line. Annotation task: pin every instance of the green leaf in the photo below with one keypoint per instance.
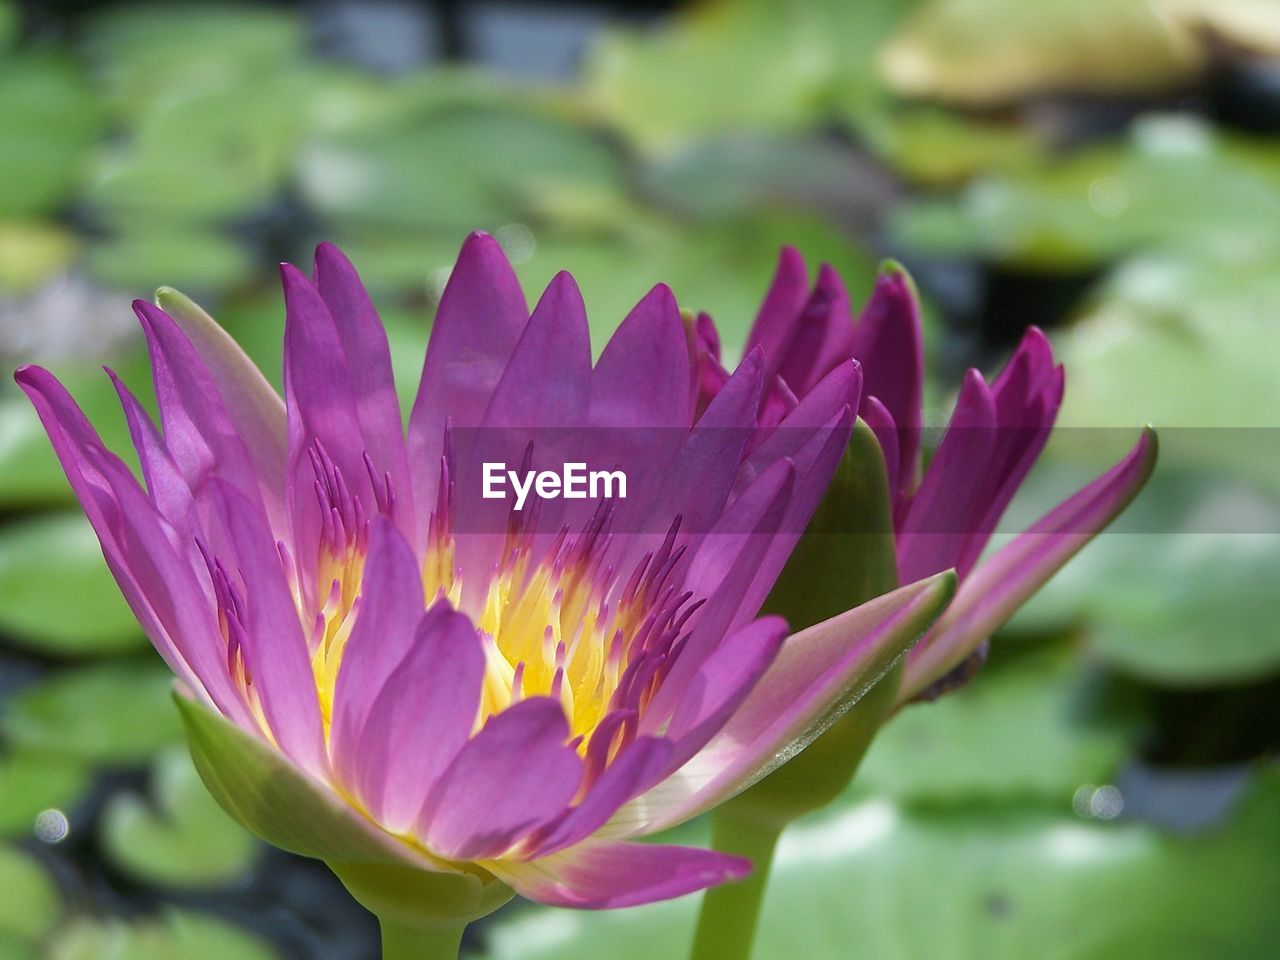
x,y
178,933
1026,729
109,713
1174,178
31,783
42,161
182,838
1171,596
30,906
46,559
972,883
182,255
454,169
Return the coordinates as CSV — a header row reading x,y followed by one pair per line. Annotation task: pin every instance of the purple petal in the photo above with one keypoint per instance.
x,y
887,338
368,362
480,318
822,336
940,519
254,407
599,876
275,649
159,587
775,323
998,587
391,605
511,778
421,719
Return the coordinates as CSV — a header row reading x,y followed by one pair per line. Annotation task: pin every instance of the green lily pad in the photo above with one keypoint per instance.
x,y
118,712
1171,596
941,148
31,783
146,53
739,66
43,561
178,933
984,882
186,256
43,161
182,838
30,906
453,168
1024,729
1175,178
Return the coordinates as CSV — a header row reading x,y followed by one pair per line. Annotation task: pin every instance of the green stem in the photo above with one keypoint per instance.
x,y
730,912
421,943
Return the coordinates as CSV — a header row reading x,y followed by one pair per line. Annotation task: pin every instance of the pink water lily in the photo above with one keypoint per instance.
x,y
484,692
945,515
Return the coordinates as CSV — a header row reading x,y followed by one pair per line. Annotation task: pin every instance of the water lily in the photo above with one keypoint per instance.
x,y
443,697
943,515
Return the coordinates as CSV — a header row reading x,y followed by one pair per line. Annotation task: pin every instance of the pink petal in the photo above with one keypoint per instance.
x,y
600,876
511,778
775,323
421,719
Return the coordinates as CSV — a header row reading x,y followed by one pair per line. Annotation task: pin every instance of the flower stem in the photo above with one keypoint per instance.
x,y
728,919
420,943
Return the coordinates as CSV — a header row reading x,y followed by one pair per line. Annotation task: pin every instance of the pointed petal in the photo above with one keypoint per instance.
x,y
253,405
421,719
368,363
887,338
642,376
599,876
511,778
775,323
480,318
823,335
819,673
940,519
995,590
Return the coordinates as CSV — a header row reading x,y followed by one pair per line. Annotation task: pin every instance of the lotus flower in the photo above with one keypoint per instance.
x,y
383,668
944,516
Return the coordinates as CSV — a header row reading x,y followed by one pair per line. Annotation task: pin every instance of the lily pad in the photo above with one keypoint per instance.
x,y
31,783
191,257
178,933
119,712
43,161
30,906
44,560
182,838
32,252
1027,729
972,882
1175,178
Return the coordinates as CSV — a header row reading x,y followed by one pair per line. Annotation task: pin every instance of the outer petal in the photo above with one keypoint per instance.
x,y
818,674
513,777
253,405
477,325
599,876
422,718
822,337
275,649
160,589
1004,582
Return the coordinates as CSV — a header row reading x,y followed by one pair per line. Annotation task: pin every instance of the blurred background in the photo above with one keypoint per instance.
x,y
1108,169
